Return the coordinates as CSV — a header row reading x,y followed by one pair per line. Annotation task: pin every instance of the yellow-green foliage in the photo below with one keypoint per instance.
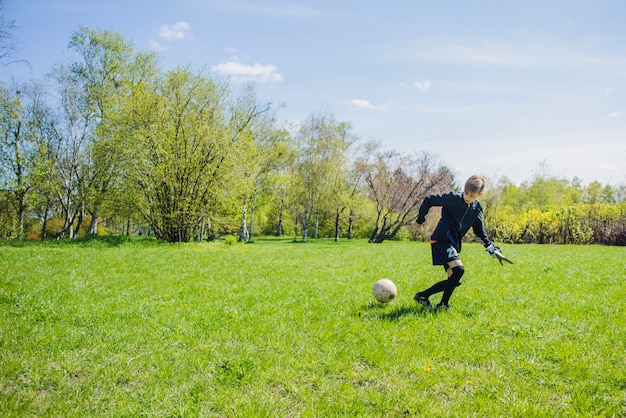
x,y
582,223
551,210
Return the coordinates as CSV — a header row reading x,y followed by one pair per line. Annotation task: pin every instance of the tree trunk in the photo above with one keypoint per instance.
x,y
243,225
68,226
210,234
350,224
337,216
93,225
281,226
81,217
380,233
44,228
305,226
21,209
243,228
252,209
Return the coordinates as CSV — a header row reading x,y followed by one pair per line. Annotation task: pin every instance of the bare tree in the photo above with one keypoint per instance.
x,y
7,41
398,183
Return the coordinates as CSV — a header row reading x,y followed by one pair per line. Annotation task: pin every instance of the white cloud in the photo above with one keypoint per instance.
x,y
156,46
175,32
616,115
422,85
362,103
242,73
531,55
366,104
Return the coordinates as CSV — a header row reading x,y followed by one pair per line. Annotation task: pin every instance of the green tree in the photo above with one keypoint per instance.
x,y
322,142
73,130
25,120
187,151
105,72
272,153
40,127
348,184
15,152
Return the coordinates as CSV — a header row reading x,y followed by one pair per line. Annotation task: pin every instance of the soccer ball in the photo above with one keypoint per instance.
x,y
384,290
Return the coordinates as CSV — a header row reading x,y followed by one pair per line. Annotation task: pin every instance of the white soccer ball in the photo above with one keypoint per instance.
x,y
384,290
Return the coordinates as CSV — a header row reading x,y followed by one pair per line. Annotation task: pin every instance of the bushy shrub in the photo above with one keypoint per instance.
x,y
582,223
231,240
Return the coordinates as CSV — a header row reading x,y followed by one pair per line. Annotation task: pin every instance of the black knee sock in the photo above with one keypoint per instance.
x,y
453,281
436,288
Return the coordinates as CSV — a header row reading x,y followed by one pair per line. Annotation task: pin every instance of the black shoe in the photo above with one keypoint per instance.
x,y
442,307
422,300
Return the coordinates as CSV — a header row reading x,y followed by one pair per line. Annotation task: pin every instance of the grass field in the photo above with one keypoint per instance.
x,y
275,329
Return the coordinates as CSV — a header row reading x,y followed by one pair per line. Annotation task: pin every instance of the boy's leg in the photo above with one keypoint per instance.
x,y
436,288
455,273
443,253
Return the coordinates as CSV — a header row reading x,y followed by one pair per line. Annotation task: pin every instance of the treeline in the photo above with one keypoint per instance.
x,y
110,143
555,211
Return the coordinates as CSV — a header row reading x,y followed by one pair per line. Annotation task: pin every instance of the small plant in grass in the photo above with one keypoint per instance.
x,y
231,240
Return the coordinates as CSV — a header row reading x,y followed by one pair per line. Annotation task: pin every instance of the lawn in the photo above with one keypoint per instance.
x,y
276,328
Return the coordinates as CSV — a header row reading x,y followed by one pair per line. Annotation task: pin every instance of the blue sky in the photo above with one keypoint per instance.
x,y
497,88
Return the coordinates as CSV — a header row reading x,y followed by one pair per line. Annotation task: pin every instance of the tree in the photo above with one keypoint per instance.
x,y
105,72
358,198
347,182
73,131
322,142
40,121
595,192
7,41
15,151
272,152
187,153
27,150
278,184
398,183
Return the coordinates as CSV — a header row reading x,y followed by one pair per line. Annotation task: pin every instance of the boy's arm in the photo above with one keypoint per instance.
x,y
492,249
429,201
479,230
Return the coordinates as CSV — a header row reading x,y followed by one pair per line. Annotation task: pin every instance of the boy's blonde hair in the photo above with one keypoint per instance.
x,y
475,185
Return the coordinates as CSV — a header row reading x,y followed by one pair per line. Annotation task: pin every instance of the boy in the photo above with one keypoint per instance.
x,y
459,212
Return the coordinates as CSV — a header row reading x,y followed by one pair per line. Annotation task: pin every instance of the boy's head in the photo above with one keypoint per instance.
x,y
474,187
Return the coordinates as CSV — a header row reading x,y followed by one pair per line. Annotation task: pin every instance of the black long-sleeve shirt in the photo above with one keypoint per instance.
x,y
457,217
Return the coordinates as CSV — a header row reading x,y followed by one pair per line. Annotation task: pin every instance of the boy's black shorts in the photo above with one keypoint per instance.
x,y
443,252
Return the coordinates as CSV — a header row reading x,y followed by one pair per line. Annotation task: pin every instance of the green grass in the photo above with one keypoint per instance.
x,y
275,328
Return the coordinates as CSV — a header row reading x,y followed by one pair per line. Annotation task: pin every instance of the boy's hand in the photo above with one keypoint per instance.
x,y
496,253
